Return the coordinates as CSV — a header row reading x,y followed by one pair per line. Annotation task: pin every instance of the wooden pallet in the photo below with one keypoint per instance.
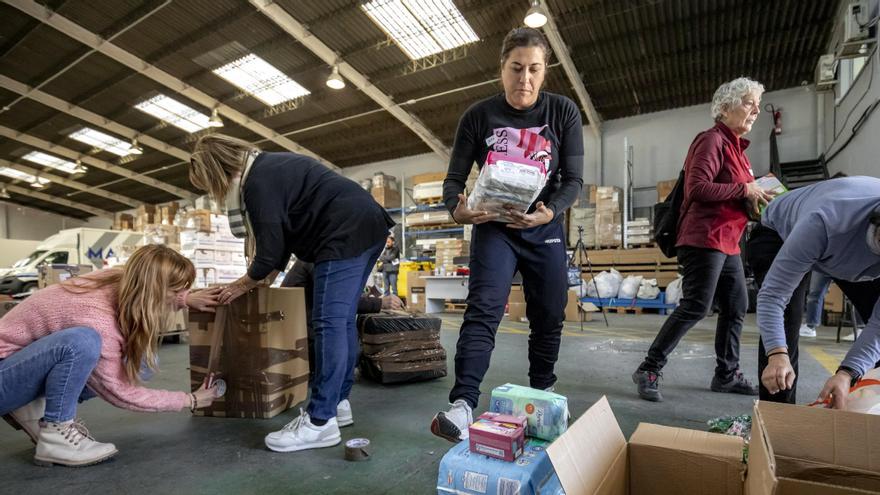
x,y
647,262
452,307
624,310
643,245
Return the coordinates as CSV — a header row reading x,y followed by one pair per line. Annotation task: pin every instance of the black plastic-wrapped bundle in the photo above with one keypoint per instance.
x,y
402,363
386,328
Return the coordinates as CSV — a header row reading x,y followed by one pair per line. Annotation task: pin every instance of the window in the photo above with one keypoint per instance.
x,y
102,141
421,27
174,112
261,80
51,161
56,258
847,72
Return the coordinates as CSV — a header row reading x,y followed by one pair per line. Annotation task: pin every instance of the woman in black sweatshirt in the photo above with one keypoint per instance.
x,y
286,203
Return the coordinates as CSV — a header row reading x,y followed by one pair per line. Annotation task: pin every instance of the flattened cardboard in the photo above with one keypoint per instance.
x,y
692,462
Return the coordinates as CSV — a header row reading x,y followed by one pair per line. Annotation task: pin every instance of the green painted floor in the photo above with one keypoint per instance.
x,y
175,453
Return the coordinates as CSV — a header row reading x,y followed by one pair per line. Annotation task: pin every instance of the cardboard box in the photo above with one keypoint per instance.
x,y
575,312
259,347
123,221
415,291
834,299
497,435
517,312
428,191
593,457
144,215
546,412
429,218
53,274
664,188
516,295
812,450
199,220
385,196
428,177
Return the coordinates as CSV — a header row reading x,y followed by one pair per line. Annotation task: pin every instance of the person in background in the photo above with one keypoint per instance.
x,y
94,334
390,261
287,203
819,284
832,227
719,188
303,275
525,122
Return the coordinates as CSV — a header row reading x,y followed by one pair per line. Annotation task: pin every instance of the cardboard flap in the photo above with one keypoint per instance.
x,y
584,453
829,436
684,440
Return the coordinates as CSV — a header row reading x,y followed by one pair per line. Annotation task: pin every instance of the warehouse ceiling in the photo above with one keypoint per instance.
x,y
66,65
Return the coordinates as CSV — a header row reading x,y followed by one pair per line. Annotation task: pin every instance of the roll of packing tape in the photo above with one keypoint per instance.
x,y
219,388
357,449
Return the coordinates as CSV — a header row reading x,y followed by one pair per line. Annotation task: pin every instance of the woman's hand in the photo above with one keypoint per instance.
x,y
837,389
236,289
463,214
778,375
540,216
204,299
204,396
756,195
391,302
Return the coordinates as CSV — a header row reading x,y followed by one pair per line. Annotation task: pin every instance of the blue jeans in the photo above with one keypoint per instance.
x,y
819,284
55,366
390,283
338,285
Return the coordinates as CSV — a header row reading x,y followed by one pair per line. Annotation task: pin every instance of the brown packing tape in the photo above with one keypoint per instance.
x,y
409,355
401,336
410,367
413,345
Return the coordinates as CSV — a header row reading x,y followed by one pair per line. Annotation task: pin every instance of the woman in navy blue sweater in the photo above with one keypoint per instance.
x,y
286,203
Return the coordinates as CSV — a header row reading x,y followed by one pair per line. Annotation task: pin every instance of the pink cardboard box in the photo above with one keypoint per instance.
x,y
498,435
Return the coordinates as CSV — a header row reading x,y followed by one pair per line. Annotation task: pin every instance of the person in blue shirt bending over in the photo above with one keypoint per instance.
x,y
833,228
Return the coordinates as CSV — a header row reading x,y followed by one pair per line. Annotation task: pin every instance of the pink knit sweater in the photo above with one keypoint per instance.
x,y
54,308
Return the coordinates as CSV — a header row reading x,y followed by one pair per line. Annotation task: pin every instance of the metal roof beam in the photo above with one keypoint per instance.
x,y
59,201
137,64
91,117
299,32
93,162
71,183
562,54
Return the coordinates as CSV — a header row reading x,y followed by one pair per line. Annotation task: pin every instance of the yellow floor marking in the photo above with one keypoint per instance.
x,y
827,361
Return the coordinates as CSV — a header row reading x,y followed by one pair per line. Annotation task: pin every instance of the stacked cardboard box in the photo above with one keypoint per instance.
x,y
516,304
415,291
198,219
385,190
664,188
259,346
53,274
144,215
639,231
608,216
441,217
447,251
218,256
401,348
427,177
123,221
582,217
428,192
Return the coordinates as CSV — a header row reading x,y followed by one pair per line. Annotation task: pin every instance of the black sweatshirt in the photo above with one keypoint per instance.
x,y
550,131
296,205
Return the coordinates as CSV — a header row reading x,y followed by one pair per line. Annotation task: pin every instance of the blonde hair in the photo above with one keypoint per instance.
x,y
215,160
142,308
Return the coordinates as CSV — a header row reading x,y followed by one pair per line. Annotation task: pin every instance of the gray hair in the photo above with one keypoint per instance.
x,y
730,94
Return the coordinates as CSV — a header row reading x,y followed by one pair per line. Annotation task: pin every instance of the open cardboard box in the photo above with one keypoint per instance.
x,y
593,457
812,451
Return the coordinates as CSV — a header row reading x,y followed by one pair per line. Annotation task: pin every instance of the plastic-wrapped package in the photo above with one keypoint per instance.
x,y
607,284
629,287
507,181
865,395
648,289
546,412
673,291
401,347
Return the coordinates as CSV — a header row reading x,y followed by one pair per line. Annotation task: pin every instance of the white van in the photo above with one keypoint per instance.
x,y
68,247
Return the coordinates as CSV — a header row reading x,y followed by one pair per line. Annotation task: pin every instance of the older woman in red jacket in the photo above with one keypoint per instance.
x,y
719,189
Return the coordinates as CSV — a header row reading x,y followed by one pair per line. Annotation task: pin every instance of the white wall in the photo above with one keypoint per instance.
x,y
862,155
660,142
23,223
12,250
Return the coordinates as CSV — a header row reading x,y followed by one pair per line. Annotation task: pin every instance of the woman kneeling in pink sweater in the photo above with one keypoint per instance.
x,y
94,331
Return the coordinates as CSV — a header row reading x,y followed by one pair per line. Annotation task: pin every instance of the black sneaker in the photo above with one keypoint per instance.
x,y
736,385
648,384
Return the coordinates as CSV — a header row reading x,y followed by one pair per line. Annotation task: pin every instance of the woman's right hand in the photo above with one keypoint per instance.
x,y
204,396
465,215
756,195
779,374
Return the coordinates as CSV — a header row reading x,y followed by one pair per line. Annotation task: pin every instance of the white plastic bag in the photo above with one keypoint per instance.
x,y
629,287
648,289
607,283
673,291
507,181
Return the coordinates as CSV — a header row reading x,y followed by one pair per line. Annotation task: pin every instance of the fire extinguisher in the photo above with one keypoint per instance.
x,y
777,118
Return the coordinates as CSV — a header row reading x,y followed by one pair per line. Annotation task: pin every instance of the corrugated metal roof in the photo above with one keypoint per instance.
x,y
634,56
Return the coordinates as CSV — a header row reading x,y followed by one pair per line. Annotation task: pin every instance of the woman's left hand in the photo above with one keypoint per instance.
x,y
836,390
540,216
204,299
232,291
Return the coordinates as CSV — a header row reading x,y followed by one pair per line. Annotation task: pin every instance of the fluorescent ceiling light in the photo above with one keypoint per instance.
x,y
261,80
18,175
100,140
421,27
51,161
175,113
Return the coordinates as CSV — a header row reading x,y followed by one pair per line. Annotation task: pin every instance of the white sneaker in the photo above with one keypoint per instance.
x,y
850,337
69,444
301,434
27,417
343,414
453,424
807,331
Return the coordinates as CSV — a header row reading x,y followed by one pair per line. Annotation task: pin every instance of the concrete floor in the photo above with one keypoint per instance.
x,y
177,453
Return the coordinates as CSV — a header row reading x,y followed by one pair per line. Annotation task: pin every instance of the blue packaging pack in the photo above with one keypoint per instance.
x,y
546,412
463,472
